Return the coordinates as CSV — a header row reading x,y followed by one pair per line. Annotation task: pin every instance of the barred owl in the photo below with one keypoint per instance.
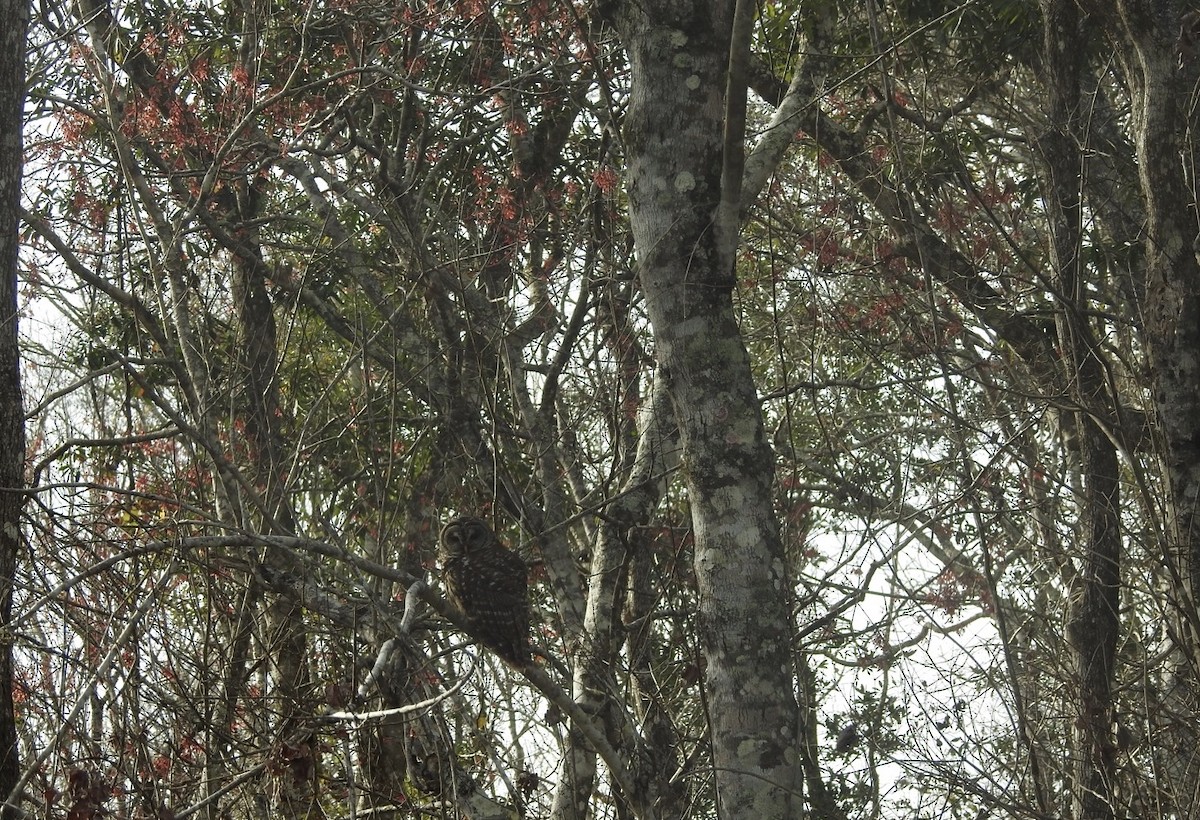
x,y
489,583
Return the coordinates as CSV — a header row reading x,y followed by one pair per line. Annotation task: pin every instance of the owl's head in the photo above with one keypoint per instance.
x,y
462,535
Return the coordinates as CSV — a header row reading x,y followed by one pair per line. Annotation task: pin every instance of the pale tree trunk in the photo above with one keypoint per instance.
x,y
652,759
678,54
1161,69
15,13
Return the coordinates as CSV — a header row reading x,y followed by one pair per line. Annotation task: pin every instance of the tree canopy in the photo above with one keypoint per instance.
x,y
834,368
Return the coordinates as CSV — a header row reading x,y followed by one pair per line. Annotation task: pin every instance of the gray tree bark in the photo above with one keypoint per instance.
x,y
674,139
1093,624
12,415
1160,67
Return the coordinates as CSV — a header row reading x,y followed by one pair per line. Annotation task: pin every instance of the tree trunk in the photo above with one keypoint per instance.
x,y
12,416
1161,75
1092,624
673,136
295,788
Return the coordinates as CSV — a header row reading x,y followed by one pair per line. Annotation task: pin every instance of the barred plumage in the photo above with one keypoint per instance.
x,y
490,584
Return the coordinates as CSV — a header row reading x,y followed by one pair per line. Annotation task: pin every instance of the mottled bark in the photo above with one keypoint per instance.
x,y
652,764
12,417
1172,305
1093,621
1161,79
678,54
